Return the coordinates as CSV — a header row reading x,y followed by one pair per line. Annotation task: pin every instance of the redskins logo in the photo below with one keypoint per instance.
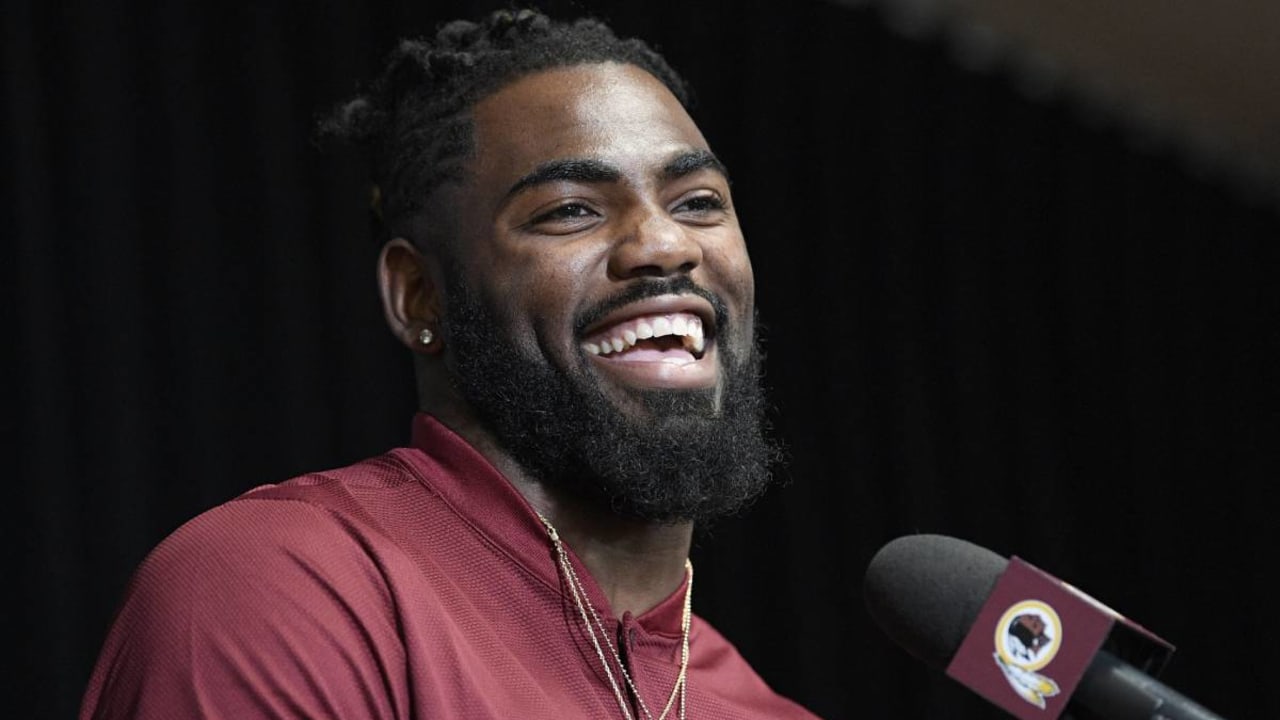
x,y
1027,637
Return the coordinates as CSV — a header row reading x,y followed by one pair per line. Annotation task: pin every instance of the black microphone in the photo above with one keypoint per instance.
x,y
927,591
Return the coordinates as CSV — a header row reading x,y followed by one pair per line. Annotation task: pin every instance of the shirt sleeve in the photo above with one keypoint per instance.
x,y
256,609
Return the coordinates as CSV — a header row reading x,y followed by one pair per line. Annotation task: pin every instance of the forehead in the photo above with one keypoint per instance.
x,y
609,111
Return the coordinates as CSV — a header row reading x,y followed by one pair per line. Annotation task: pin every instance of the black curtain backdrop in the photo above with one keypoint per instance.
x,y
987,316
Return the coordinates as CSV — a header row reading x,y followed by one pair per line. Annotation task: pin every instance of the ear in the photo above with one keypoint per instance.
x,y
410,297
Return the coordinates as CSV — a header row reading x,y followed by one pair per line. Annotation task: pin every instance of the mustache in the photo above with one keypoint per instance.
x,y
653,287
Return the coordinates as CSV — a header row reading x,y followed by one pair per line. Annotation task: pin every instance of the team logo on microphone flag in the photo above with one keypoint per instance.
x,y
1027,637
1044,634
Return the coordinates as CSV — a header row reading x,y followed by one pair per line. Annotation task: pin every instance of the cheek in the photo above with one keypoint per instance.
x,y
539,292
731,266
549,281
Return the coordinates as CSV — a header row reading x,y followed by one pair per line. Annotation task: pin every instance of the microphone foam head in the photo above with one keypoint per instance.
x,y
925,591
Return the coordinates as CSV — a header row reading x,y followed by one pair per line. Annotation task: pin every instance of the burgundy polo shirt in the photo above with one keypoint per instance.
x,y
417,584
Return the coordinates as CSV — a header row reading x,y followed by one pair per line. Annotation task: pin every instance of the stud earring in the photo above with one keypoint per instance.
x,y
426,336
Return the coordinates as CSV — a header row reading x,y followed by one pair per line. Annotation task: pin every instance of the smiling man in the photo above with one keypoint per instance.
x,y
560,252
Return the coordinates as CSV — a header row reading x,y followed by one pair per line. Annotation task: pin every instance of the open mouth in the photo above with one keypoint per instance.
x,y
665,342
672,337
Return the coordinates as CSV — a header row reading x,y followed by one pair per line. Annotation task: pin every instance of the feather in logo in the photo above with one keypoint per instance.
x,y
1027,637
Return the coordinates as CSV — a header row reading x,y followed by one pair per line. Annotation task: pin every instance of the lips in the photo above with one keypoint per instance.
x,y
678,334
659,342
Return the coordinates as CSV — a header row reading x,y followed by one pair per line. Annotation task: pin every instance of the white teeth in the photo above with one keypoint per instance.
x,y
688,328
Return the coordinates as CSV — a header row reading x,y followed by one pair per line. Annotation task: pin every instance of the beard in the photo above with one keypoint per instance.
x,y
680,455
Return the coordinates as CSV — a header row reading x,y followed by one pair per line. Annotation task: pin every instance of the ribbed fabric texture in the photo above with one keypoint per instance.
x,y
418,584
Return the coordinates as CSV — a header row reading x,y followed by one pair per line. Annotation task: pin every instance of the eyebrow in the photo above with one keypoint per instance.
x,y
571,169
587,170
691,162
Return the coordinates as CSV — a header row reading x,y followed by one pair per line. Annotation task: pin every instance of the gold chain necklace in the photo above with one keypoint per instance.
x,y
591,619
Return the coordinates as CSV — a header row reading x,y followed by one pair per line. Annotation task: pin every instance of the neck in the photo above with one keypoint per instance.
x,y
637,564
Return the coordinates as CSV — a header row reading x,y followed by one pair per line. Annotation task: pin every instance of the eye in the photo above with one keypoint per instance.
x,y
568,210
564,218
705,206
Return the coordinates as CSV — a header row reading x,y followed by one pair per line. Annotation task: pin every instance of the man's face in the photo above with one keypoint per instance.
x,y
600,286
586,181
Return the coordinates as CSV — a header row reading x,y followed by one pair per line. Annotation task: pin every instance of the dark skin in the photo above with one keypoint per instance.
x,y
584,179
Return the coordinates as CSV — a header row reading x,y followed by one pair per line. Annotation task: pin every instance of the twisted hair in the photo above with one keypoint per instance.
x,y
414,118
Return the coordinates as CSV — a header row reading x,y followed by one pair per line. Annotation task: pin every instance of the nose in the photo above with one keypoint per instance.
x,y
654,246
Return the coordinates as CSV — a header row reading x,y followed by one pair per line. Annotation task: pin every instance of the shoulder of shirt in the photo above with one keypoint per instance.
x,y
319,518
381,472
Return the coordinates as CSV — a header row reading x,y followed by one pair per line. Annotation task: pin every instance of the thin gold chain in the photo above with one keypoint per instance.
x,y
588,613
580,592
